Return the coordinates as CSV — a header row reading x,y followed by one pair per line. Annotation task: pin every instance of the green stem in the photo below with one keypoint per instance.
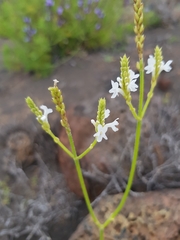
x,y
136,150
150,95
133,111
101,233
86,197
92,145
81,179
71,141
57,141
141,87
131,176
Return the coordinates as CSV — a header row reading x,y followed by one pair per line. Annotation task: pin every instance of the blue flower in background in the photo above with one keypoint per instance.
x,y
27,20
99,12
28,30
97,26
80,3
49,3
86,10
60,11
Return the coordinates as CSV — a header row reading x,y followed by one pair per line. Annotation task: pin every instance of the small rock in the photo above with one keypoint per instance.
x,y
164,84
153,215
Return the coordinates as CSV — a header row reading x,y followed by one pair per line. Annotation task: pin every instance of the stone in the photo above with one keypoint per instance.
x,y
151,215
164,84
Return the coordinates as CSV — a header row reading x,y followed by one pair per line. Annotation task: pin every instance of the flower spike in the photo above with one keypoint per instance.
x,y
100,126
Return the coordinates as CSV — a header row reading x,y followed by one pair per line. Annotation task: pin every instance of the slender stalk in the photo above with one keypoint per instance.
x,y
71,141
150,95
81,179
84,190
136,150
133,111
57,141
131,176
92,145
101,233
141,87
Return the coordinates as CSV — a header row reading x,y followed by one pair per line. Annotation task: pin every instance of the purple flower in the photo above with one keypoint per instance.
x,y
89,2
60,10
86,10
98,12
49,3
26,20
97,26
80,3
29,31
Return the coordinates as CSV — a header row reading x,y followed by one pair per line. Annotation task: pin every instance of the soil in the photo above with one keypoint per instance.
x,y
85,78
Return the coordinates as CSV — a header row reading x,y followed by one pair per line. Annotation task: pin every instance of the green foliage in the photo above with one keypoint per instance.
x,y
151,19
5,191
45,30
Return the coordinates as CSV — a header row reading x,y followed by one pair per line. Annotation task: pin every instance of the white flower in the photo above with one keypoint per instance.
x,y
113,125
150,68
132,75
55,82
166,66
107,113
115,89
101,133
151,65
46,110
101,130
131,85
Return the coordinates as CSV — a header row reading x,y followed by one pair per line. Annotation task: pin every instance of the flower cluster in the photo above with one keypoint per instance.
x,y
99,12
122,86
150,68
102,129
60,20
117,87
28,30
91,7
49,3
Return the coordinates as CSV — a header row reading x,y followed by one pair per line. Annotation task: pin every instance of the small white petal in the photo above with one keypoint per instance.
x,y
46,112
101,133
166,66
119,79
132,86
107,113
43,118
55,82
115,89
132,75
151,65
113,125
93,122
